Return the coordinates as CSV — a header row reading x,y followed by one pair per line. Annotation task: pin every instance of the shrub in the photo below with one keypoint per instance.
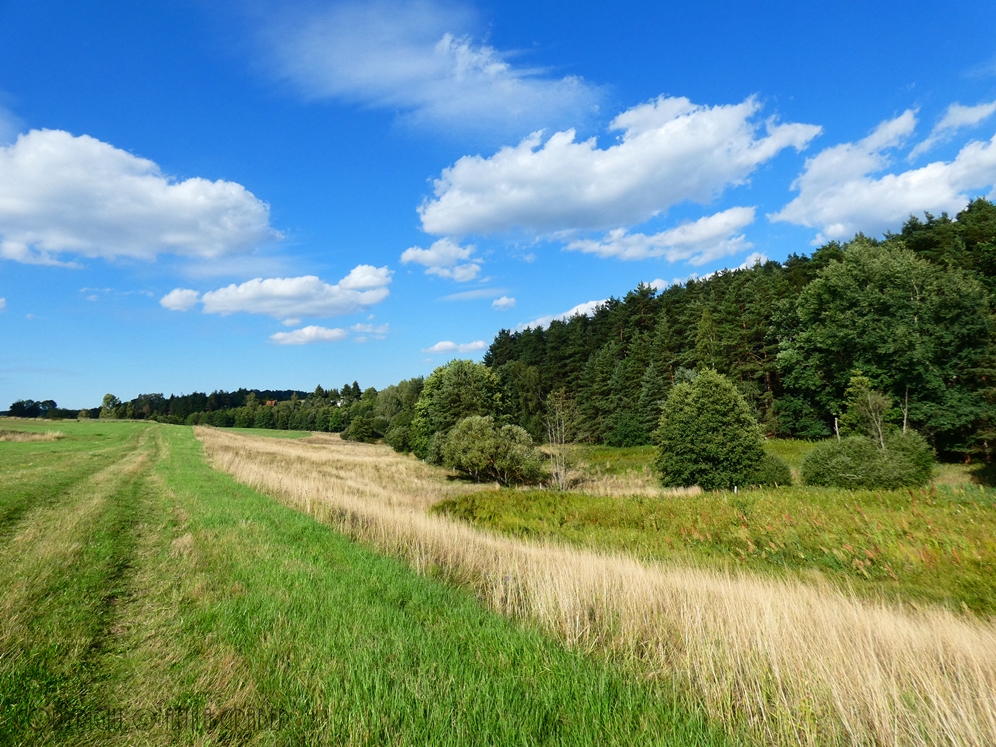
x,y
771,471
857,462
483,451
708,436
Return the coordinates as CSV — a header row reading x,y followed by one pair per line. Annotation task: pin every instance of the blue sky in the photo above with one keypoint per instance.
x,y
208,195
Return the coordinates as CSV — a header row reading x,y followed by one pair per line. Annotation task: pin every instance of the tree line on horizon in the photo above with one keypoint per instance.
x,y
910,313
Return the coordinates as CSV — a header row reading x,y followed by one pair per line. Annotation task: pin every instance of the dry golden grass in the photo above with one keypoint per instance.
x,y
627,484
30,436
788,663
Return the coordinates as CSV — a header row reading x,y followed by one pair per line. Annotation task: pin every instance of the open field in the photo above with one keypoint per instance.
x,y
932,545
151,600
778,660
271,433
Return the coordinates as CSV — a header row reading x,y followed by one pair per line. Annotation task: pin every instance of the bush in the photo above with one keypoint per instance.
x,y
483,451
708,436
857,462
772,471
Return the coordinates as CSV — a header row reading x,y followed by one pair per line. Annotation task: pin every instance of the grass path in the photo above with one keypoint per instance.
x,y
151,600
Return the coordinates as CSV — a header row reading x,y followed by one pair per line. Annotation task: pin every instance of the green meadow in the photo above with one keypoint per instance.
x,y
932,545
152,600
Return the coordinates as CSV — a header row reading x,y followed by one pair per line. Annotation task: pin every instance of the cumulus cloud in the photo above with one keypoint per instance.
x,y
180,299
363,277
956,117
309,334
503,303
840,192
61,194
291,298
446,346
585,309
698,242
670,151
418,58
444,258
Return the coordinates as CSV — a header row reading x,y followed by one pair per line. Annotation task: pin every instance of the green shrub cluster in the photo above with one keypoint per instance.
x,y
771,472
484,451
858,462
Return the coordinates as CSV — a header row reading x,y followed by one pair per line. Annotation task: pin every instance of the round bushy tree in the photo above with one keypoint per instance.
x,y
484,451
708,436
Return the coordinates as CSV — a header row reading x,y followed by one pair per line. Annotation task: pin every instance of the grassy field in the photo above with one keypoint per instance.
x,y
272,433
935,545
152,600
765,655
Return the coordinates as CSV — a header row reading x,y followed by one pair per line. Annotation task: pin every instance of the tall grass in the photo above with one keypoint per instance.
x,y
24,436
784,662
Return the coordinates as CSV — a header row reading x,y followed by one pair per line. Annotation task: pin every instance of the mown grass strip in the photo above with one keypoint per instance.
x,y
62,569
35,476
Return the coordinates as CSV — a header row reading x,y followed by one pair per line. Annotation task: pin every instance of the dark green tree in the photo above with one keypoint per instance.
x,y
913,328
708,436
459,389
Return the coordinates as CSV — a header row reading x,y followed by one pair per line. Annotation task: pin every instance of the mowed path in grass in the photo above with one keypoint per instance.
x,y
151,600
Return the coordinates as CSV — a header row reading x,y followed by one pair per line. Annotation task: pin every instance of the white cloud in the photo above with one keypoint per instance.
x,y
371,331
473,295
452,347
417,58
3,304
670,151
291,298
698,242
443,258
291,322
956,117
180,299
459,273
363,277
78,195
585,309
503,303
306,335
754,258
839,194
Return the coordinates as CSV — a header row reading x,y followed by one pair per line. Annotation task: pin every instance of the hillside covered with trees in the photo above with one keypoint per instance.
x,y
912,313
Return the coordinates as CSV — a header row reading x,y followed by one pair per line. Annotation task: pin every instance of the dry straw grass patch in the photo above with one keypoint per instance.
x,y
788,663
23,436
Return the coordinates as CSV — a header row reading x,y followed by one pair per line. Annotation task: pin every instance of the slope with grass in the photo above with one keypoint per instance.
x,y
151,600
778,660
